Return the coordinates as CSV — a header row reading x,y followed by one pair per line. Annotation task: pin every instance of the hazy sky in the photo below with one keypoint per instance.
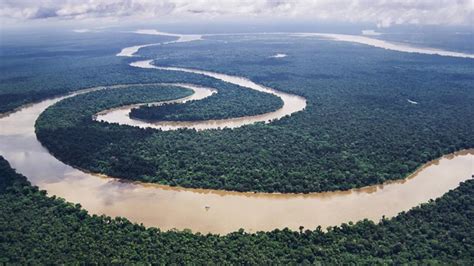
x,y
382,13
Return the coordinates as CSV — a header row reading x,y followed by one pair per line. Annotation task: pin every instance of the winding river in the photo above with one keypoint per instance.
x,y
215,211
291,104
120,115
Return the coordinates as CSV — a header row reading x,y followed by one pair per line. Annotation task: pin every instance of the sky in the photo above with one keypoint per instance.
x,y
380,13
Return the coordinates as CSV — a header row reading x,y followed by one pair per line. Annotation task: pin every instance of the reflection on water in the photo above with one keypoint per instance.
x,y
167,208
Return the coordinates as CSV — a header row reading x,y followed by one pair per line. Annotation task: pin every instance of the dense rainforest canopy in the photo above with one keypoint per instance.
x,y
35,228
372,115
237,102
374,118
32,71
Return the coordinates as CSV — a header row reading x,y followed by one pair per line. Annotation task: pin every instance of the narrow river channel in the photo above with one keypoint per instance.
x,y
218,211
215,211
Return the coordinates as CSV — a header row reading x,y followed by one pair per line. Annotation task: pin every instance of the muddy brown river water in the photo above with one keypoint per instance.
x,y
218,211
215,211
291,104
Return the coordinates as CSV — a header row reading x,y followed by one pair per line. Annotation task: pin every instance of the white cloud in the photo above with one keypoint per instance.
x,y
383,13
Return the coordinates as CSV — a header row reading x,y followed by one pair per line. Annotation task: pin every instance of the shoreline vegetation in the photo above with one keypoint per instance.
x,y
92,190
207,167
207,109
358,129
41,229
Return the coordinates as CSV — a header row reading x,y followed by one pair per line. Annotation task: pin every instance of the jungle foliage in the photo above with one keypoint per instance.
x,y
32,69
37,229
358,128
235,102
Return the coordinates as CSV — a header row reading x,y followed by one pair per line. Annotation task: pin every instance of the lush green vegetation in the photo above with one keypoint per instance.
x,y
81,108
235,103
37,229
34,67
357,129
